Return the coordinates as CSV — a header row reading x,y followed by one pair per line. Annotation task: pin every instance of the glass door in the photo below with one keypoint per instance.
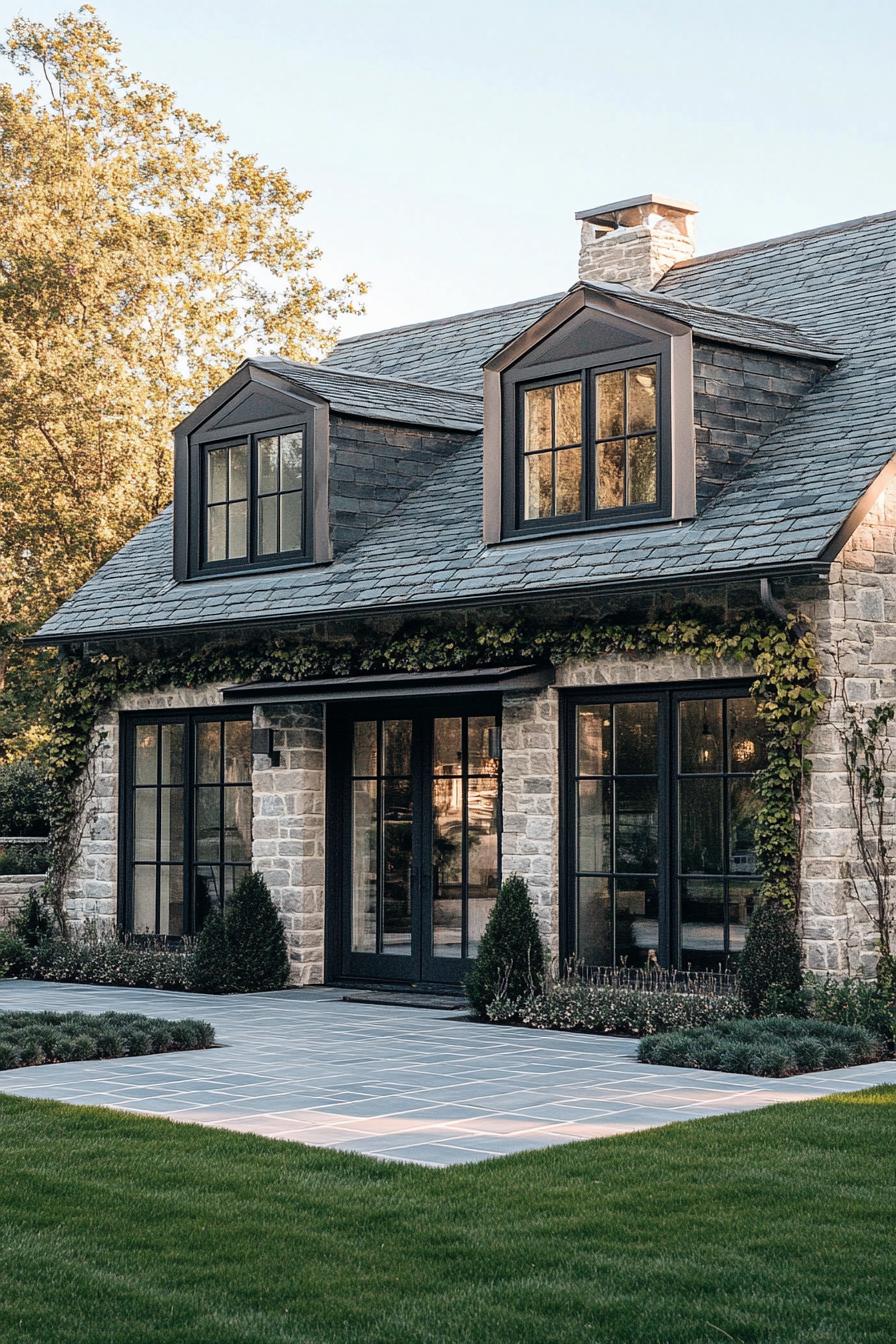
x,y
419,824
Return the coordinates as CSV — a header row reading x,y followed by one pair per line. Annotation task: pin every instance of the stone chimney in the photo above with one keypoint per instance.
x,y
635,242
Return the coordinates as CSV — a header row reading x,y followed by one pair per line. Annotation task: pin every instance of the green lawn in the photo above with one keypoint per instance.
x,y
776,1226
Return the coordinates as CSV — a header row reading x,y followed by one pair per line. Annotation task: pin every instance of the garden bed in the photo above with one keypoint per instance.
x,y
770,1047
59,1038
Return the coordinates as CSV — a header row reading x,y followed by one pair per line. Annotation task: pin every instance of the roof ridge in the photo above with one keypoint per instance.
x,y
451,317
818,232
376,377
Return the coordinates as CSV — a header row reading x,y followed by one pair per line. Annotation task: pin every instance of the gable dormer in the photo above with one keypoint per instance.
x,y
250,478
589,421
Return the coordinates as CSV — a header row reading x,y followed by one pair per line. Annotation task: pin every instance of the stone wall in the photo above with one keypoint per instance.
x,y
13,890
638,255
854,623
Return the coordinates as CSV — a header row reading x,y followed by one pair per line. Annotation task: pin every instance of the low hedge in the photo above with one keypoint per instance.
x,y
104,961
772,1047
58,1038
577,1004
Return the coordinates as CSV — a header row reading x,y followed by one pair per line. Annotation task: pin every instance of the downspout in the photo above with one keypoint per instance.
x,y
771,603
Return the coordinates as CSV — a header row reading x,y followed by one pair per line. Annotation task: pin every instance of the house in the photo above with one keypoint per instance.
x,y
673,432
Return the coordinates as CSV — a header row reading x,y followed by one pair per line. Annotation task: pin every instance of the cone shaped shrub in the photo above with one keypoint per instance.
x,y
511,957
769,968
211,964
255,940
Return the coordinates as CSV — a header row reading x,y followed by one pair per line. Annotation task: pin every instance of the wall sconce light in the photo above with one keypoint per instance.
x,y
263,744
494,743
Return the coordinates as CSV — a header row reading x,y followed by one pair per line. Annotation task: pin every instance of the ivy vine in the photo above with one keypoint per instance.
x,y
782,658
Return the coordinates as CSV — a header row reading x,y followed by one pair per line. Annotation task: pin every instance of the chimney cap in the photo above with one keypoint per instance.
x,y
608,215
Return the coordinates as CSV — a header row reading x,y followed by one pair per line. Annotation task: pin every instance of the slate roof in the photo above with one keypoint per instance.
x,y
375,397
834,285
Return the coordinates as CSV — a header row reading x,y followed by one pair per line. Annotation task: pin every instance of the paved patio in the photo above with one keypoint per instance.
x,y
410,1084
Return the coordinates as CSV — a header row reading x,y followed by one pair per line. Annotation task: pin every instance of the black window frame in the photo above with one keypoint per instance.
x,y
589,517
128,722
668,695
203,444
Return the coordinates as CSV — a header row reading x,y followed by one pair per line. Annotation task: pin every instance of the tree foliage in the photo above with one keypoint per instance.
x,y
143,257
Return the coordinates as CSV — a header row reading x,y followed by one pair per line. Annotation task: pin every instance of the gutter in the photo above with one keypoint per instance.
x,y
807,569
771,603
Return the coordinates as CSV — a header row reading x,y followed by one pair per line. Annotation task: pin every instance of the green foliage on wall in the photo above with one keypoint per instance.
x,y
780,657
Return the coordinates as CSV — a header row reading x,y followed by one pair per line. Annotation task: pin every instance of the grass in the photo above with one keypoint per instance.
x,y
54,1038
774,1226
774,1047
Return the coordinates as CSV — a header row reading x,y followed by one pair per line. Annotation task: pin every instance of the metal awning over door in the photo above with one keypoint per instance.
x,y
393,686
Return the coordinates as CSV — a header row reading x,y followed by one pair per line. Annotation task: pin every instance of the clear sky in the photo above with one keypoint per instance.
x,y
448,145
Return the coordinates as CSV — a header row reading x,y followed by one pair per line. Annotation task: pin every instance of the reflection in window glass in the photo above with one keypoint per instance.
x,y
552,450
625,462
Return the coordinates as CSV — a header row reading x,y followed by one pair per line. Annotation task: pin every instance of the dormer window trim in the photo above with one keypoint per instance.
x,y
226,419
525,364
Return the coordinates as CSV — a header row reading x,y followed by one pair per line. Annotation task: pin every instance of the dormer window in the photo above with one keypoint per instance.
x,y
251,471
589,421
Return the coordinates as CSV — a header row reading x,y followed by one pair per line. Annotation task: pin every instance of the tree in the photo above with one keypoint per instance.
x,y
511,959
142,259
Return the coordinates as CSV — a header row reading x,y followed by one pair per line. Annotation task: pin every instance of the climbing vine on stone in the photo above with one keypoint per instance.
x,y
781,657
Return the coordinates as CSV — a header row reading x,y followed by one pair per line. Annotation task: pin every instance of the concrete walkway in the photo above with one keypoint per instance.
x,y
411,1084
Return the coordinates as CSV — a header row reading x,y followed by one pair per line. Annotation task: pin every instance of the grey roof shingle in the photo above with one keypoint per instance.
x,y
834,285
397,400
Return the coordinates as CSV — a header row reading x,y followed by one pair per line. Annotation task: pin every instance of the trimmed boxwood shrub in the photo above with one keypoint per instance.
x,y
58,1038
243,951
511,961
769,969
773,1047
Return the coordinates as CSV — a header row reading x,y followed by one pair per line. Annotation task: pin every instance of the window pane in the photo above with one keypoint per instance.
x,y
641,399
482,857
216,539
745,736
216,476
610,404
702,925
171,830
537,415
569,481
267,525
267,466
636,738
144,898
448,872
171,910
236,531
595,854
642,470
233,874
594,738
610,475
237,751
208,752
539,498
291,521
594,921
145,740
145,813
397,827
742,898
637,920
568,413
448,746
237,825
239,454
291,455
700,736
742,824
397,747
172,735
479,745
636,826
364,751
700,825
208,825
364,866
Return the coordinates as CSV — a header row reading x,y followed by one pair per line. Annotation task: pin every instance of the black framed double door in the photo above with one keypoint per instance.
x,y
415,866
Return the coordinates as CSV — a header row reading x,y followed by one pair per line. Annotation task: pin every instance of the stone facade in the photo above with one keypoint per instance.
x,y
13,890
638,256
